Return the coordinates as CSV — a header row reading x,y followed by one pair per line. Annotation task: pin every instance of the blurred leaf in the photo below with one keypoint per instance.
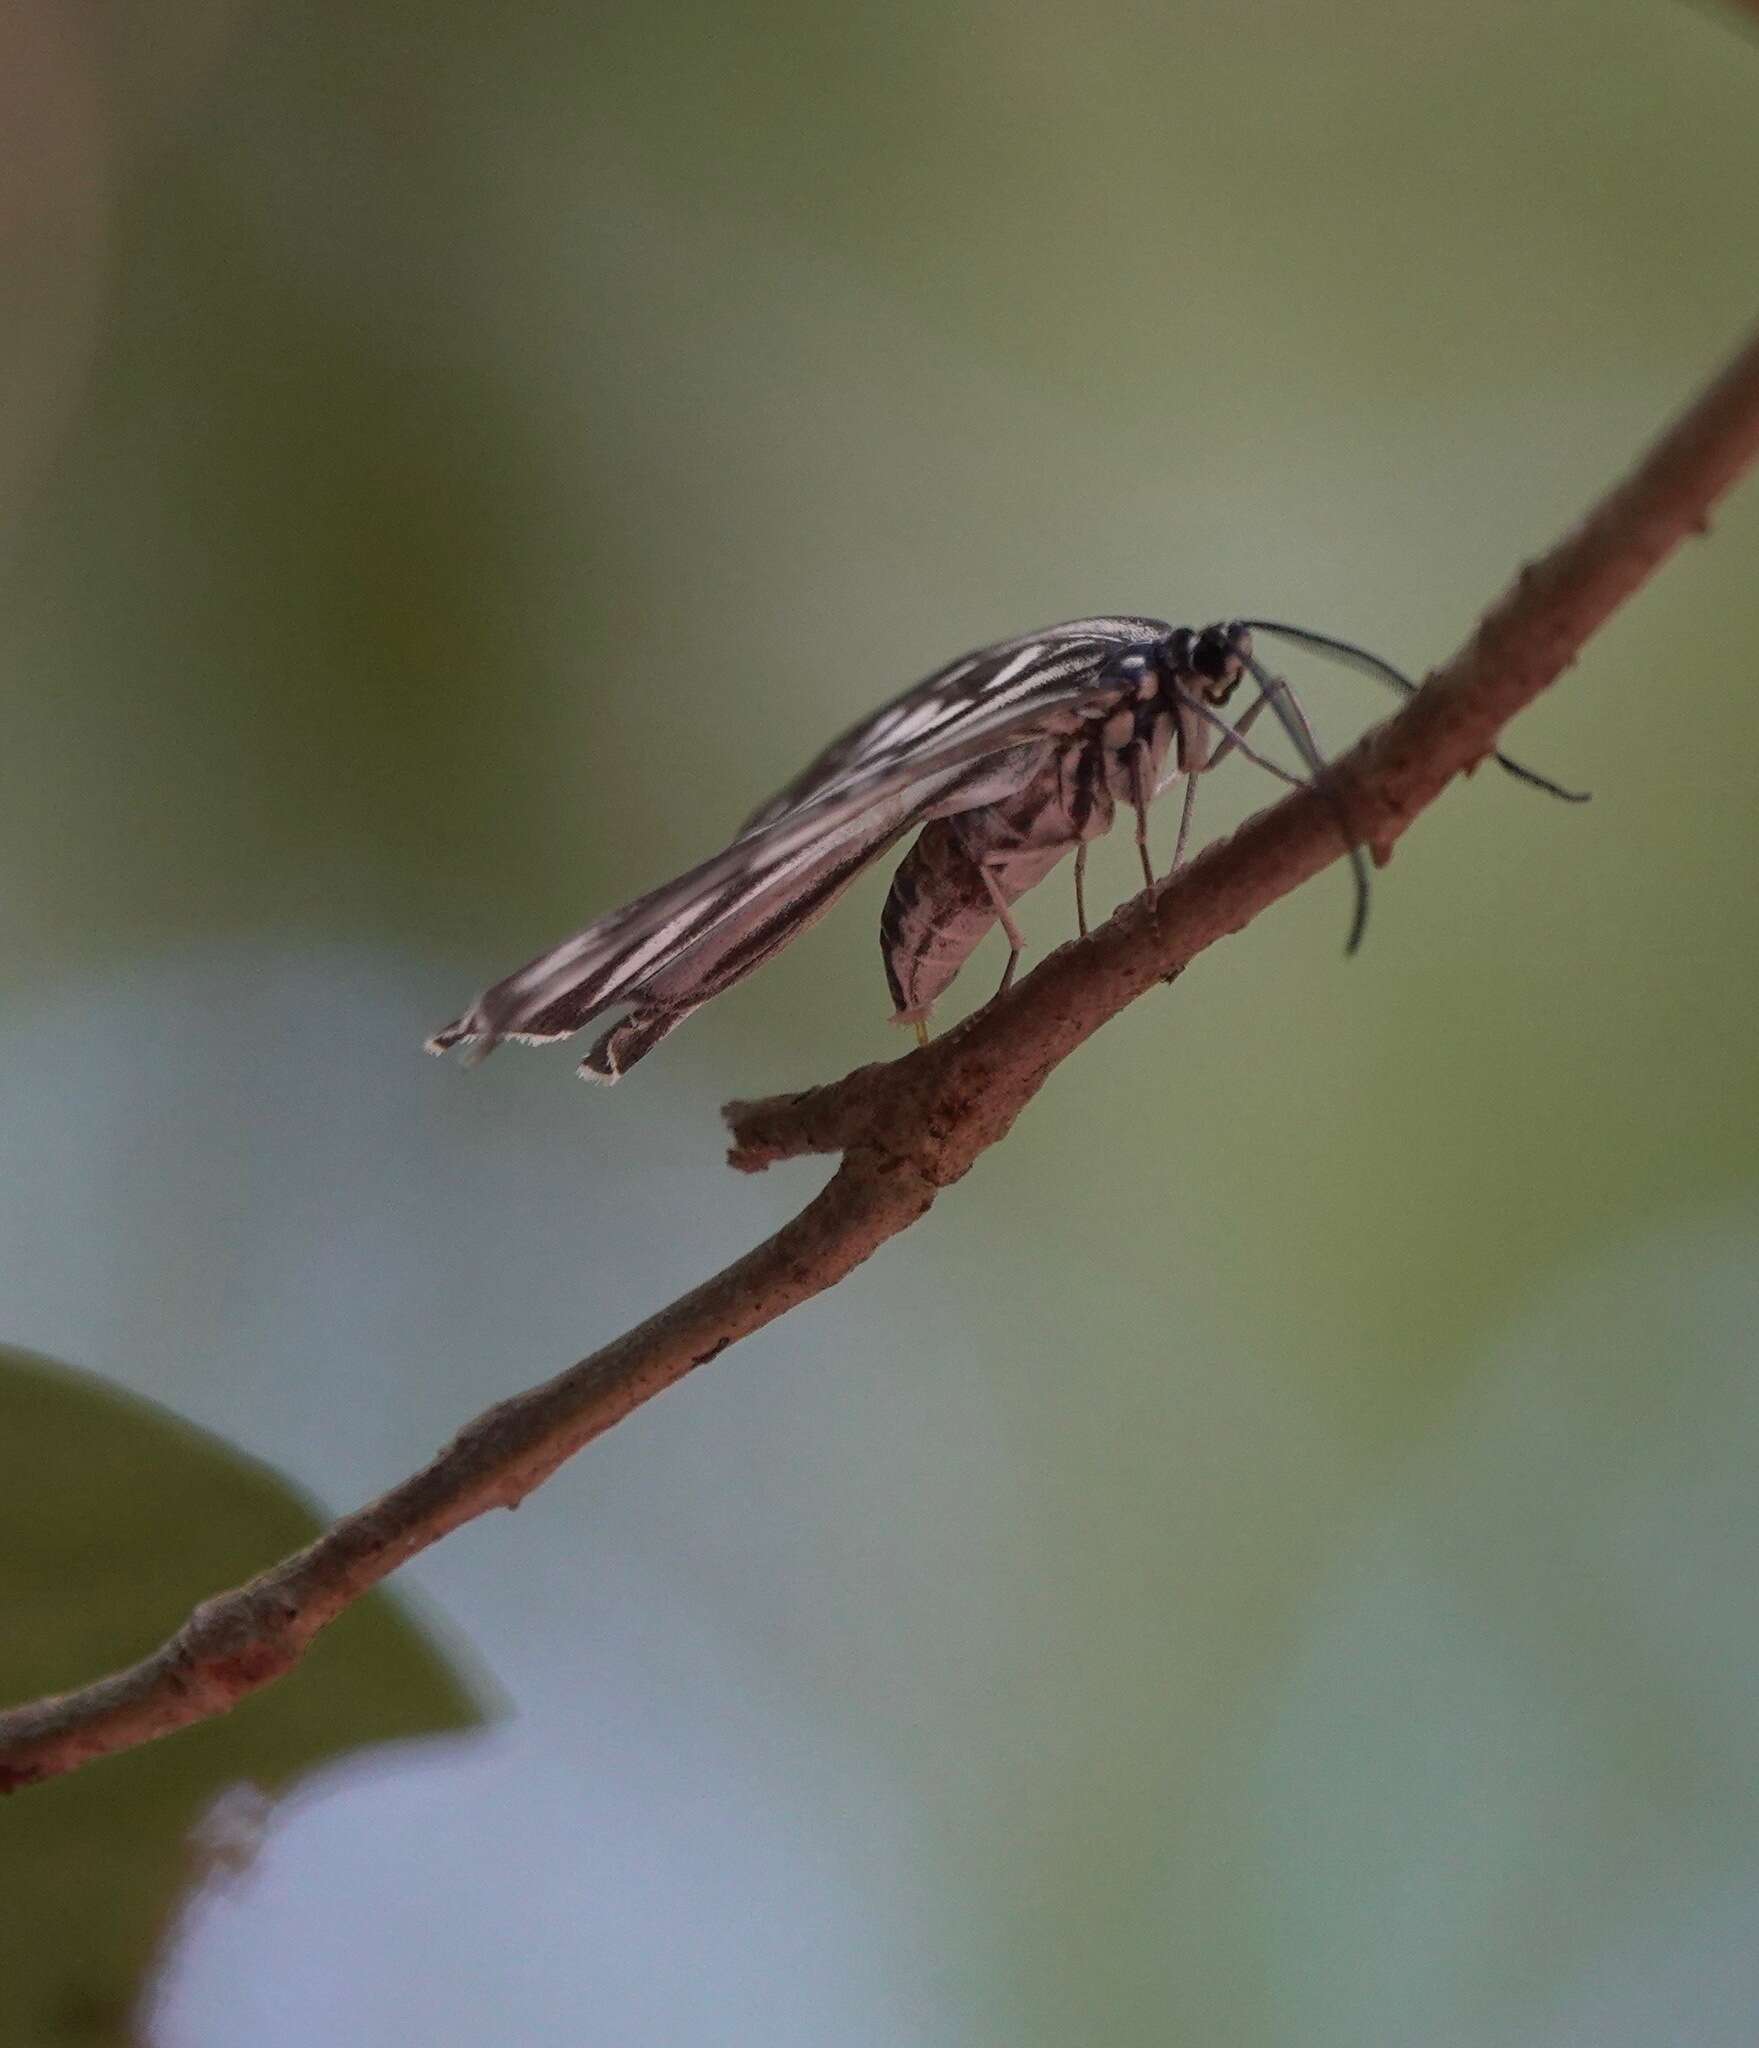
x,y
115,1518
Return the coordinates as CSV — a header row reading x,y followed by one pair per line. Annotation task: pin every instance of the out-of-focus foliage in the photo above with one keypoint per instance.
x,y
454,462
115,1519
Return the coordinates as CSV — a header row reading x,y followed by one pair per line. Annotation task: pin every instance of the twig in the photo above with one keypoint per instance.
x,y
943,1105
908,1129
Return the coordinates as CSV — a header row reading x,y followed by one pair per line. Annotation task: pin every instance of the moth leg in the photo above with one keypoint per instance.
x,y
1185,810
1140,790
1287,706
1234,734
920,1026
1016,943
1081,888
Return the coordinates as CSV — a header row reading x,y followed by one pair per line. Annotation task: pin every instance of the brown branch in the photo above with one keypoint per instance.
x,y
943,1105
909,1129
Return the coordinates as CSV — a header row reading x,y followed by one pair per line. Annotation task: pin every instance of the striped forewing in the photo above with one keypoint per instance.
x,y
912,750
994,690
774,905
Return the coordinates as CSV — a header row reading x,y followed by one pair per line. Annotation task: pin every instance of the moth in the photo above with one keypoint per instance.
x,y
1003,762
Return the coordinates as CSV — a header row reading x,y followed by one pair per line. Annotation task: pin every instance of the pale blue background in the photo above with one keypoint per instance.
x,y
1271,1560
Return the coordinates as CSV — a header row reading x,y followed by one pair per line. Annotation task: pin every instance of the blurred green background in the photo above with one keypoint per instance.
x,y
1273,1560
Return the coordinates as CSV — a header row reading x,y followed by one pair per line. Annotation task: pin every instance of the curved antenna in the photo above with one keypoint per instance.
x,y
1282,700
1353,656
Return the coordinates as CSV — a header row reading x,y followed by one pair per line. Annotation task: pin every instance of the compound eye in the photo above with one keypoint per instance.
x,y
1211,657
1209,652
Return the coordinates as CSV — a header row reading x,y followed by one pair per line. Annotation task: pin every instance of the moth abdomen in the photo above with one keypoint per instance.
x,y
964,870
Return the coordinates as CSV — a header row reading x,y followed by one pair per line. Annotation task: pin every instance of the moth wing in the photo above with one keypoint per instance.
x,y
697,921
995,689
981,706
618,955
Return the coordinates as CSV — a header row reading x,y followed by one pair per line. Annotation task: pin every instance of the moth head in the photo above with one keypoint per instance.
x,y
1220,656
